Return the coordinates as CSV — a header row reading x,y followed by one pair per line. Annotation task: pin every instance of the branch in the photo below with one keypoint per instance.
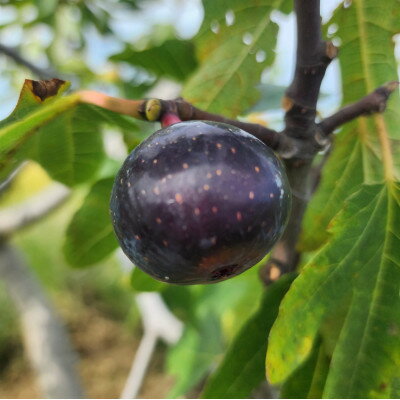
x,y
154,109
17,58
17,217
46,341
374,102
187,112
312,58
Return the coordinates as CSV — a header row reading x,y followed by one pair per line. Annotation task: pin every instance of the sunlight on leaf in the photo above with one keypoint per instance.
x,y
62,133
229,40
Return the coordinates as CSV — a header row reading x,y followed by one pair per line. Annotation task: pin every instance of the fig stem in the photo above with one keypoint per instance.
x,y
169,118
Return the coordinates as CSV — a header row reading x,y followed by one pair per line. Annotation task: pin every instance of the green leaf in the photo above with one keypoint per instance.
x,y
395,388
174,58
342,175
243,367
90,235
46,8
182,301
63,134
270,98
308,381
69,147
190,359
356,274
211,314
30,113
232,43
365,29
131,89
361,263
142,282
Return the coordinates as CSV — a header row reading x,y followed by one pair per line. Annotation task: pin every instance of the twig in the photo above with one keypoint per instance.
x,y
46,341
17,217
372,103
41,73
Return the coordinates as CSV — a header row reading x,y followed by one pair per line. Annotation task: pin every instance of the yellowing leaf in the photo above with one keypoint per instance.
x,y
366,29
361,266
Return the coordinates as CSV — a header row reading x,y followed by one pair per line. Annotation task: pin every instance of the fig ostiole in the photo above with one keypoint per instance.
x,y
199,202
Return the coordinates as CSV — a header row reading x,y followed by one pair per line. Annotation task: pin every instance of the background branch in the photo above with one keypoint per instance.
x,y
13,54
46,341
158,324
17,217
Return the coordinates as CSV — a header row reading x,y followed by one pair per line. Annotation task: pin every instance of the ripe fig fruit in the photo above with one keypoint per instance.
x,y
199,202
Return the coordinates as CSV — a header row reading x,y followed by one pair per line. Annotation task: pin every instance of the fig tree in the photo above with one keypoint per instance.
x,y
199,202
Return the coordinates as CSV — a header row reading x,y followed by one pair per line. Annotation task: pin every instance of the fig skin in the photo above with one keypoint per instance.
x,y
199,202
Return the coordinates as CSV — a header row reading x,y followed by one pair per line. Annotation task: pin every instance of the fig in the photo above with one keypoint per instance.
x,y
199,202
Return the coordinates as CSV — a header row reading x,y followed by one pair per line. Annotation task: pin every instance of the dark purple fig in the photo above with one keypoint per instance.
x,y
199,202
